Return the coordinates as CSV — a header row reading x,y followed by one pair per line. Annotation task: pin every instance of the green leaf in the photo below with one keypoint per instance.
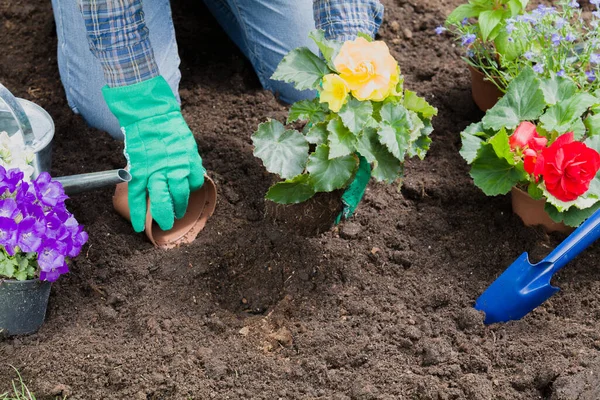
x,y
395,129
419,147
329,48
573,216
488,21
365,36
7,268
593,142
341,141
578,129
534,191
592,123
292,191
494,175
301,67
471,141
317,133
584,201
386,167
523,101
330,174
308,110
283,152
357,115
418,105
463,11
509,47
515,7
501,146
557,89
561,116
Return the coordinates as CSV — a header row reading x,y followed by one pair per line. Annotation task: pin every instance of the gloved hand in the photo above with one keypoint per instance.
x,y
160,149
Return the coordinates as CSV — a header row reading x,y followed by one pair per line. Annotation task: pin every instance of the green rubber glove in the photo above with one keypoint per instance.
x,y
356,190
160,148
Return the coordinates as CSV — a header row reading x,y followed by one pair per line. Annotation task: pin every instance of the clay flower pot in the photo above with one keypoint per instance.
x,y
201,206
532,212
22,306
485,93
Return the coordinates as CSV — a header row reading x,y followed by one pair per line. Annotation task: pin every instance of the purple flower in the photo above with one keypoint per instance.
x,y
596,14
527,18
556,38
510,28
570,37
595,2
10,179
49,192
561,73
591,76
8,234
52,263
439,30
542,10
464,21
595,58
55,229
29,234
539,68
559,23
8,208
574,4
528,55
468,39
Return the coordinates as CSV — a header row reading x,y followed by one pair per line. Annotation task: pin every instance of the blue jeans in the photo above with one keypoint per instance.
x,y
264,30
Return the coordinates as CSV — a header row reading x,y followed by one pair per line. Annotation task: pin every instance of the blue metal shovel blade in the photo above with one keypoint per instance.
x,y
523,286
520,289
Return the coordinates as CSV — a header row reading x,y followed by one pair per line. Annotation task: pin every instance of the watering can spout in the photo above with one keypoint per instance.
x,y
74,184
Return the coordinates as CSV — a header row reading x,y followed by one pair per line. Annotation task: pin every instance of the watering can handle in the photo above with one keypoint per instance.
x,y
18,113
576,242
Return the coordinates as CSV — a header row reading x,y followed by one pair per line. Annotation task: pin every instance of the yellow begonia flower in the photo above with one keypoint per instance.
x,y
335,92
368,68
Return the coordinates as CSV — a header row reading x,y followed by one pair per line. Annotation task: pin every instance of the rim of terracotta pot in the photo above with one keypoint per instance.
x,y
201,206
484,92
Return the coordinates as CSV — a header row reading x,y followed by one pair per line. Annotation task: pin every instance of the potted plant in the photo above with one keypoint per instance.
x,y
540,141
37,236
362,117
480,28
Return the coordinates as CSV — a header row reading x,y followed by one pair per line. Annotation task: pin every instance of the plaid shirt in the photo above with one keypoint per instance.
x,y
118,35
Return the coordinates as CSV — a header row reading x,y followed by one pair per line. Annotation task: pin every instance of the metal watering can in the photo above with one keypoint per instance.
x,y
32,126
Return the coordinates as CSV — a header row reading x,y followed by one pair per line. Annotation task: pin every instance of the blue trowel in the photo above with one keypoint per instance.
x,y
524,286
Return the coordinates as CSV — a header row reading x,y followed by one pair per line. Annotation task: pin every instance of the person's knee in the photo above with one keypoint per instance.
x,y
286,92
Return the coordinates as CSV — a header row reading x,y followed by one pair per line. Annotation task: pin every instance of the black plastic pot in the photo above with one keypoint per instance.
x,y
22,306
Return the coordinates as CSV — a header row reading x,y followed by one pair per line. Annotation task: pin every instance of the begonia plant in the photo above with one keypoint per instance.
x,y
543,136
361,113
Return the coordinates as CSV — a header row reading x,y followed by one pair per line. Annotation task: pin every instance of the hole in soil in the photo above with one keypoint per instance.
x,y
247,272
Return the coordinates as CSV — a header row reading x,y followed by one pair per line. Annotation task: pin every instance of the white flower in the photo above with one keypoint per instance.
x,y
13,154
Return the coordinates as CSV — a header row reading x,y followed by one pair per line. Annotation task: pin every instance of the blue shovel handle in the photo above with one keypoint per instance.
x,y
575,243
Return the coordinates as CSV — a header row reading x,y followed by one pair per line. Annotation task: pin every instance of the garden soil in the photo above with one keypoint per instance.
x,y
380,307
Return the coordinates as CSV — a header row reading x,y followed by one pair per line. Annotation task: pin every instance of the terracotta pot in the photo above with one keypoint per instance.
x,y
201,206
532,212
485,93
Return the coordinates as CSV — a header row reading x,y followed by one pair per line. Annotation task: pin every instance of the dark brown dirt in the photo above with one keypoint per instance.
x,y
378,308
